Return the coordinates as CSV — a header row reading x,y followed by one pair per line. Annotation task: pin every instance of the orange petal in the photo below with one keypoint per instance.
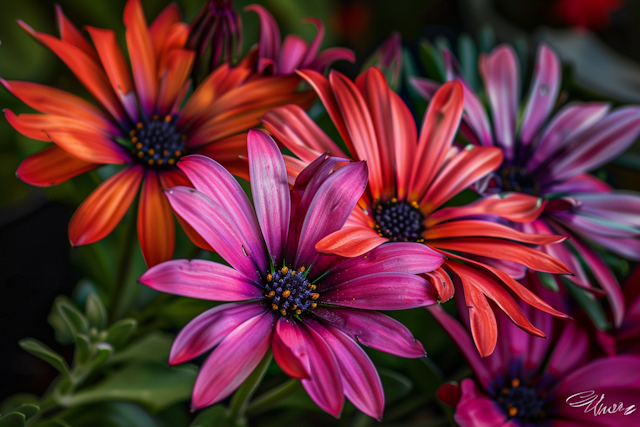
x,y
70,34
156,231
51,167
174,177
405,139
438,130
105,207
143,60
479,228
503,249
174,76
91,147
350,242
442,282
160,26
39,126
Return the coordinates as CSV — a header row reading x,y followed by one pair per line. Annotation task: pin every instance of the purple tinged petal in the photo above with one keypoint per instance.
x,y
270,190
375,330
233,360
463,341
618,206
625,247
209,328
293,52
325,384
570,121
584,222
426,88
290,349
410,258
500,72
312,52
201,279
382,291
570,351
269,43
216,226
584,183
543,93
210,178
599,144
330,208
476,409
360,379
327,56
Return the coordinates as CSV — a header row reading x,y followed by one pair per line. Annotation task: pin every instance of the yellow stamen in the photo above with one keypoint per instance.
x,y
298,311
139,145
513,412
171,161
134,139
286,293
165,152
293,273
160,161
415,204
505,391
271,294
283,312
132,132
394,200
152,151
177,153
167,119
273,306
140,154
314,305
315,296
150,161
269,277
139,125
313,287
515,382
284,270
302,269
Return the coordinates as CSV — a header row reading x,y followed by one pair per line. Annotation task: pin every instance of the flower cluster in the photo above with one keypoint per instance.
x,y
485,200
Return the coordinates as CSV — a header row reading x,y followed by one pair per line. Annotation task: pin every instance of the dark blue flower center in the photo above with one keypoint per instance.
x,y
517,178
157,142
399,221
522,401
289,292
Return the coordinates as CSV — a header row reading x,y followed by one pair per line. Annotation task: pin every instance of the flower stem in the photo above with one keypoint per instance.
x,y
269,399
240,401
124,266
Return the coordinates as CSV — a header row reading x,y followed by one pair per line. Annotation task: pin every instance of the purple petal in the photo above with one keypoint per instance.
x,y
325,385
426,88
618,206
500,72
209,329
382,291
410,258
327,56
570,121
210,178
312,52
233,360
360,379
290,349
476,409
201,279
584,183
463,341
570,351
543,93
216,226
331,206
270,190
375,330
269,43
599,144
292,54
625,247
595,225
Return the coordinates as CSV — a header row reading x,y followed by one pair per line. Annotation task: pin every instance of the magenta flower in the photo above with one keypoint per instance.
x,y
530,381
625,338
294,53
310,308
549,156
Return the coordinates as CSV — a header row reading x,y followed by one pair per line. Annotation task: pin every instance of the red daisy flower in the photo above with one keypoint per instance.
x,y
140,122
410,179
311,309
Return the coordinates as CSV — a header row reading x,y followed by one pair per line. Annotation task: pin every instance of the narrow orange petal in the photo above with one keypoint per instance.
x,y
98,215
51,167
174,76
69,33
156,230
160,26
39,126
350,242
479,228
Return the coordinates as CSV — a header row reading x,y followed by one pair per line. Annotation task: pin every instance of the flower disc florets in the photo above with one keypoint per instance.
x,y
522,401
157,142
290,292
399,221
515,178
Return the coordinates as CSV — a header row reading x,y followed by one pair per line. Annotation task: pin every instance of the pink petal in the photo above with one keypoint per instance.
x,y
290,349
201,279
269,44
292,54
542,95
476,409
500,72
210,178
209,328
570,351
360,379
270,190
328,56
375,330
233,360
382,291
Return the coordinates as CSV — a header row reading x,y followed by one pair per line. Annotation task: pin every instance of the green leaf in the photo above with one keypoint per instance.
x,y
13,419
432,61
53,423
76,321
103,351
396,386
40,350
119,333
548,281
110,414
154,347
83,349
214,416
154,386
27,410
589,304
96,312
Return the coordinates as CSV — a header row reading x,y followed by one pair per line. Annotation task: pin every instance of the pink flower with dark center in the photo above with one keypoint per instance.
x,y
284,57
549,156
311,309
529,382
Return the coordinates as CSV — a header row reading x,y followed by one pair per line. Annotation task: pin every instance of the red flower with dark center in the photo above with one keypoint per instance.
x,y
410,179
311,309
140,122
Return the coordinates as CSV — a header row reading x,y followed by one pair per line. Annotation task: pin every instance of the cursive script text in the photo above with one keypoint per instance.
x,y
592,402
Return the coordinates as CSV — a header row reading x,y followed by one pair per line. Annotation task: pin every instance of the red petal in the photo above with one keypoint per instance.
x,y
350,241
479,228
70,34
91,147
160,26
156,230
105,207
51,167
174,76
449,394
